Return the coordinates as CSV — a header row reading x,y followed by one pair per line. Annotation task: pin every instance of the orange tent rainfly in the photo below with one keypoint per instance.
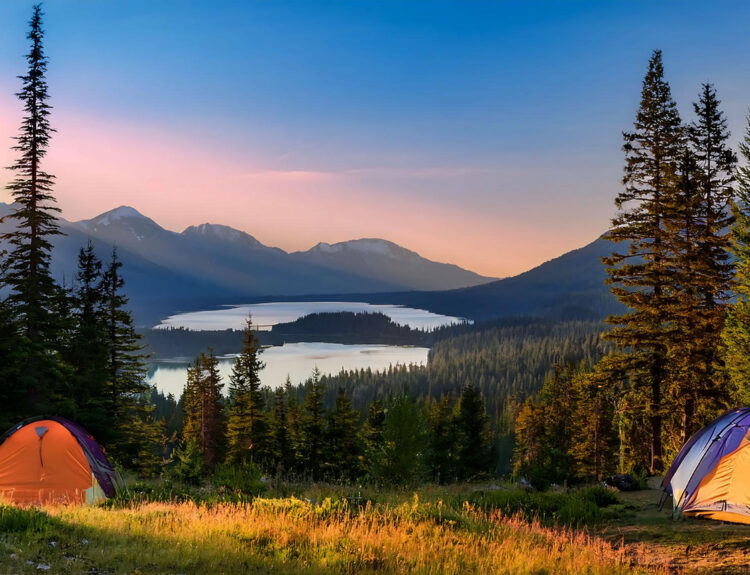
x,y
48,460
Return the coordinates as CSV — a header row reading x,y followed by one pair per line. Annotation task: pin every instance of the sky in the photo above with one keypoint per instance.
x,y
486,134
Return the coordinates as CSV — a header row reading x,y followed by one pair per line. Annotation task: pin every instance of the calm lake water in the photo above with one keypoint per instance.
x,y
296,360
266,315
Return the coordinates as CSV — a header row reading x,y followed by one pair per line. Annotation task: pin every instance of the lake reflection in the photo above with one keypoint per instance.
x,y
296,360
267,314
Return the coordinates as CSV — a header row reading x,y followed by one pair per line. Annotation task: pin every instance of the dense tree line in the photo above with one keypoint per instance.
x,y
347,327
67,350
294,432
680,350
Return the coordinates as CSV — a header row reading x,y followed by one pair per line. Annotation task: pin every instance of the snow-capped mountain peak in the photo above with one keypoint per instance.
x,y
222,233
364,246
126,220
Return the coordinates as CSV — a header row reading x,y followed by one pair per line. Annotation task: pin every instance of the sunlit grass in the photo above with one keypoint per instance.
x,y
294,536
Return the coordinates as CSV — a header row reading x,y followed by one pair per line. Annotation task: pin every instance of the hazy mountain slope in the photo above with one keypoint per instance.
x,y
150,287
569,286
212,264
237,261
381,260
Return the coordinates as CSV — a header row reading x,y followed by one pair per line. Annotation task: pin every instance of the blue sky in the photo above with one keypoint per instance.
x,y
483,133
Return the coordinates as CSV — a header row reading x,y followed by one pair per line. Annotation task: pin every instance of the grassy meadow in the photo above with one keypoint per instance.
x,y
458,529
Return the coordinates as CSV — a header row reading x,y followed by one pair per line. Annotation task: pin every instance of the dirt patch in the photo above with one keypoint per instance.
x,y
681,545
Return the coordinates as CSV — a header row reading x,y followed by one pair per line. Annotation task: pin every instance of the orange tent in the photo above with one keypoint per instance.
x,y
53,460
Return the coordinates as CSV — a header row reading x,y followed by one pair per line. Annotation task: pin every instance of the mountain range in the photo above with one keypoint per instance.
x,y
209,265
212,264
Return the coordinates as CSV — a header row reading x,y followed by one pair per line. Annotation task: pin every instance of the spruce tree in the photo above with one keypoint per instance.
x,y
593,437
313,427
203,411
402,460
32,291
13,397
443,439
474,436
88,353
247,429
641,275
371,434
714,269
342,443
126,393
736,333
281,432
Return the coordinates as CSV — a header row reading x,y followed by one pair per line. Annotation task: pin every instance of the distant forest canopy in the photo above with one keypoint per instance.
x,y
504,361
508,358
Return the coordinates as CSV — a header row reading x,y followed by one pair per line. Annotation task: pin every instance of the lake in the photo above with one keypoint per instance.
x,y
266,315
296,360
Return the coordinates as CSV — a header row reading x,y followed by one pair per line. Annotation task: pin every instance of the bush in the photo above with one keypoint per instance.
x,y
187,464
578,511
240,479
576,508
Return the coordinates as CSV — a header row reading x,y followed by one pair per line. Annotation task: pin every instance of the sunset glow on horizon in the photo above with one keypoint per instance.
x,y
377,121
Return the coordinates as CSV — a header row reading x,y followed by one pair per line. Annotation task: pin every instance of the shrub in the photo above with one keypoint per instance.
x,y
240,478
578,511
187,464
576,508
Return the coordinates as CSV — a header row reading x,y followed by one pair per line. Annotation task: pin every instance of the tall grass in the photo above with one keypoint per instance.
x,y
294,536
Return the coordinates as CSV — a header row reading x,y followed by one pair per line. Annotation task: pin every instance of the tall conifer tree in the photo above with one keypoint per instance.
x,y
247,429
313,427
474,436
33,293
641,275
203,411
736,334
136,440
714,269
88,353
342,440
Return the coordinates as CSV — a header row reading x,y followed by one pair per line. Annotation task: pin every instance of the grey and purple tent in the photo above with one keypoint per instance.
x,y
710,477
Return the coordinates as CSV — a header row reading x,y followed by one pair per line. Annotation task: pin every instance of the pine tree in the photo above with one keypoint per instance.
x,y
371,434
296,437
402,460
342,440
282,432
736,334
640,277
33,292
474,436
593,437
544,430
88,353
203,410
247,429
443,439
313,427
13,398
135,430
714,271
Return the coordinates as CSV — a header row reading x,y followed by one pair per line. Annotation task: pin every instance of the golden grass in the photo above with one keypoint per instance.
x,y
293,536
